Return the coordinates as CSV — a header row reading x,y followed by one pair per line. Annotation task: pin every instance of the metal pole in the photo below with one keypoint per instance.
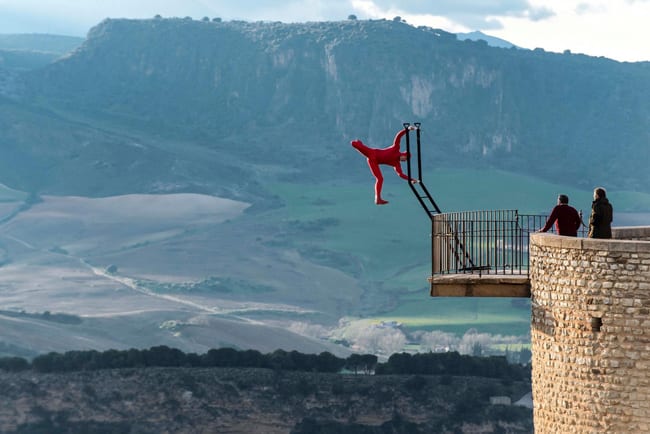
x,y
417,126
408,148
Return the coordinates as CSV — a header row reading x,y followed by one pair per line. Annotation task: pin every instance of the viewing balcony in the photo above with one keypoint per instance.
x,y
482,253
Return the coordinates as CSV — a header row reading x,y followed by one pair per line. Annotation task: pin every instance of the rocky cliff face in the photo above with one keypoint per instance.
x,y
257,92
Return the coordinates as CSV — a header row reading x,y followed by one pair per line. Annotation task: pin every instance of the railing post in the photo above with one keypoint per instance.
x,y
436,251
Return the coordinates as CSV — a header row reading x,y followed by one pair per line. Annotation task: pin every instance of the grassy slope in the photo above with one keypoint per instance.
x,y
53,257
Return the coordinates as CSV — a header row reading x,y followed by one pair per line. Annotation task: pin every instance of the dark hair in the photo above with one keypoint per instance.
x,y
563,198
600,192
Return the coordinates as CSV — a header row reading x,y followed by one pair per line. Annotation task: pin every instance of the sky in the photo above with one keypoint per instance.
x,y
616,29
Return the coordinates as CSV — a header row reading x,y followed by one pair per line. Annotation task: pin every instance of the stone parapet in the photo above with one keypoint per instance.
x,y
590,332
640,233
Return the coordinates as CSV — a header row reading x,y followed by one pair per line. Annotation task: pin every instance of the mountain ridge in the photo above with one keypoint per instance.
x,y
240,88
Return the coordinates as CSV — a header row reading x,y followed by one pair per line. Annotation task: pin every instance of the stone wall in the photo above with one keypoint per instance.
x,y
639,233
590,333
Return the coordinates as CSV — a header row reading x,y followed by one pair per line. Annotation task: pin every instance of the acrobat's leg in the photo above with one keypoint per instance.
x,y
379,182
363,149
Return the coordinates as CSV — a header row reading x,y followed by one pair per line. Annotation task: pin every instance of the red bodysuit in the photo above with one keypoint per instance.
x,y
389,156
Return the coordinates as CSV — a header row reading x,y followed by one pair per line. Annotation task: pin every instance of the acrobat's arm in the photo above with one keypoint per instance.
x,y
398,169
400,134
398,137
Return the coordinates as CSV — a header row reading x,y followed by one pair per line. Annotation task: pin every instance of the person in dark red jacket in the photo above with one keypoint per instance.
x,y
567,220
390,156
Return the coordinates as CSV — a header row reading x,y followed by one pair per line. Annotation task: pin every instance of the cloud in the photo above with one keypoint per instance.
x,y
540,14
589,8
453,15
456,7
79,16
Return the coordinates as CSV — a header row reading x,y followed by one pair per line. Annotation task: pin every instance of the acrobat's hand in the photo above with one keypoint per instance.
x,y
412,127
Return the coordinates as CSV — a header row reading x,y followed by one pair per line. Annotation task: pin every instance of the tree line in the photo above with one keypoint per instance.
x,y
450,363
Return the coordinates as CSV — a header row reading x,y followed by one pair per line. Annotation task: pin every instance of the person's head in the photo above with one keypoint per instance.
x,y
599,192
563,198
404,156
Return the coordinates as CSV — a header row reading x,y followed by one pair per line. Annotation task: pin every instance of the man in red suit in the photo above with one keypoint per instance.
x,y
566,218
390,156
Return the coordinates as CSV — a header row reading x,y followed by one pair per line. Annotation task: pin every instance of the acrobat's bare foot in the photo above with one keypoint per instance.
x,y
381,201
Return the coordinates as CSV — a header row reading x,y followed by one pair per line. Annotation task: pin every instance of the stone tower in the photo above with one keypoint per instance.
x,y
590,333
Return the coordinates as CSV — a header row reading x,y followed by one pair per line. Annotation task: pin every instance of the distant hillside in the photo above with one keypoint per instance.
x,y
24,60
491,40
30,51
294,95
44,43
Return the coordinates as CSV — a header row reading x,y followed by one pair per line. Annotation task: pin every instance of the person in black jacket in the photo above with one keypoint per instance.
x,y
602,214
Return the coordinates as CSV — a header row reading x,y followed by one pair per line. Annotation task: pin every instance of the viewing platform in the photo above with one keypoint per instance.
x,y
482,253
486,253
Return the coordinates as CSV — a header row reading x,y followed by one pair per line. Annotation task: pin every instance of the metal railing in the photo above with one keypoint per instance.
x,y
483,242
